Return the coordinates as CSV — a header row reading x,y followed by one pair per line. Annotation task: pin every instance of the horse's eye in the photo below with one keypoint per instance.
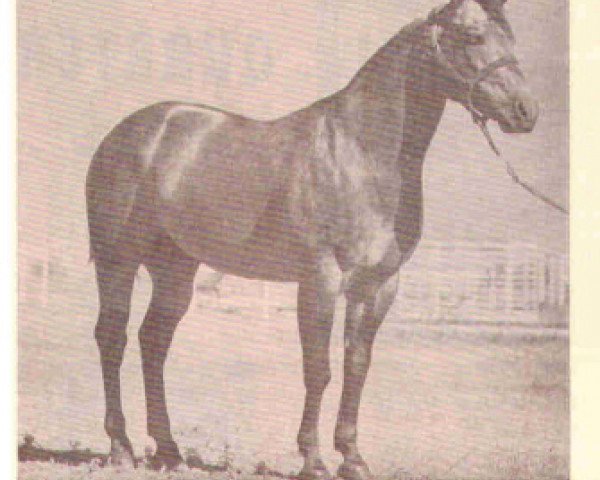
x,y
470,35
472,38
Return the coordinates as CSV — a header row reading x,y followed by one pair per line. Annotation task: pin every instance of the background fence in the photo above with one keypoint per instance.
x,y
496,282
458,282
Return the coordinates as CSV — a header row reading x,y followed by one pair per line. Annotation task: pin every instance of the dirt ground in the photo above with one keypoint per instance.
x,y
440,403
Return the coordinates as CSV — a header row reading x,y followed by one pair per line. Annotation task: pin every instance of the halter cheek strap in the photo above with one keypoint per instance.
x,y
486,72
470,83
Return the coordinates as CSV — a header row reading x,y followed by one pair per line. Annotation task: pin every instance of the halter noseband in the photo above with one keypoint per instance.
x,y
471,83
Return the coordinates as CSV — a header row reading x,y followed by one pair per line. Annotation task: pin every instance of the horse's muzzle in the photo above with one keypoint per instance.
x,y
525,111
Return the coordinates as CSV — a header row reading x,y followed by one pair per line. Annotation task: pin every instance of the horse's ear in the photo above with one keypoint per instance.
x,y
454,4
491,3
444,12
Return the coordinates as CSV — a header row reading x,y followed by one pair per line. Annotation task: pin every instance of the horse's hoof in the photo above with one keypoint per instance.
x,y
121,454
354,470
166,462
316,471
167,458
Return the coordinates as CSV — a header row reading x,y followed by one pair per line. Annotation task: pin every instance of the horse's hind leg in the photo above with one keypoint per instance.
x,y
115,282
172,274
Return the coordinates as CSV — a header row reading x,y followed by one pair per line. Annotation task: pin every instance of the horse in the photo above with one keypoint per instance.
x,y
328,197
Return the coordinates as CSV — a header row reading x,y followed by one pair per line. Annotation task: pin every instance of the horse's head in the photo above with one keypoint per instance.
x,y
473,47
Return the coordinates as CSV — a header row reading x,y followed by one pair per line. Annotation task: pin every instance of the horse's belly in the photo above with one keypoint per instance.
x,y
273,251
258,260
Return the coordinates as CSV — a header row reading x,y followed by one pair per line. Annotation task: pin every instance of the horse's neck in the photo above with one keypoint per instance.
x,y
393,107
392,104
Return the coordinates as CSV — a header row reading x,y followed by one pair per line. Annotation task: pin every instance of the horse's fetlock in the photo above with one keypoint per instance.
x,y
307,443
345,440
114,425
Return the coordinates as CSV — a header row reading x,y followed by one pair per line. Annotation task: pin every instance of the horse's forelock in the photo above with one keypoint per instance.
x,y
495,11
493,8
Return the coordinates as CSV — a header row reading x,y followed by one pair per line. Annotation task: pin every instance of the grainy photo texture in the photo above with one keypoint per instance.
x,y
276,239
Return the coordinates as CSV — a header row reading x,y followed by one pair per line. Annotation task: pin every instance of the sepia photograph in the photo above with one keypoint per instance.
x,y
306,240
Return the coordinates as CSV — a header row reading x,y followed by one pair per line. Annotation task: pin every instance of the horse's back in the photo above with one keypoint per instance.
x,y
214,183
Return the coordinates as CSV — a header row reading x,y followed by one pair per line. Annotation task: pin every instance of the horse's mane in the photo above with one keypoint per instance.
x,y
405,38
400,43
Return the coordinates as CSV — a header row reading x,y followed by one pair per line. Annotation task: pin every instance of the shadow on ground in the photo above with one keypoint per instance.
x,y
29,451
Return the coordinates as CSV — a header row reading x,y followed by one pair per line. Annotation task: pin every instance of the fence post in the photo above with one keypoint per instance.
x,y
554,280
509,279
491,281
496,261
45,280
563,280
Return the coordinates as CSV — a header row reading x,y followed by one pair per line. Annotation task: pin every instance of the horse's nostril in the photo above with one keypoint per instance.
x,y
526,109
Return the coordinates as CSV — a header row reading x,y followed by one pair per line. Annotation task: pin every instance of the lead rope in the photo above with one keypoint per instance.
x,y
480,119
481,122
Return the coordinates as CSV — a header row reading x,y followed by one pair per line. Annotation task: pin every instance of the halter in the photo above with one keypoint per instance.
x,y
471,83
479,118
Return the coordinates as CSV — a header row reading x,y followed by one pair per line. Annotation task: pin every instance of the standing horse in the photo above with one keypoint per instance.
x,y
329,196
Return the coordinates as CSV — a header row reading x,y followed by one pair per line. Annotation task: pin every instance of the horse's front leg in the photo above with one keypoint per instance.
x,y
368,301
317,293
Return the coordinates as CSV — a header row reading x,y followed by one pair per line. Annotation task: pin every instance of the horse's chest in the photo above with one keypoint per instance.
x,y
372,245
346,198
373,229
